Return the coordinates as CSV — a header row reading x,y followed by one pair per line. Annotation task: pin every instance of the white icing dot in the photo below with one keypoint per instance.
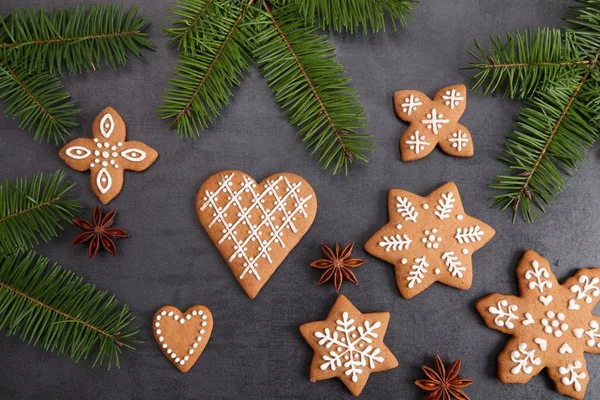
x,y
177,359
161,339
169,351
186,358
404,261
188,316
204,317
104,163
115,154
163,313
202,331
459,217
204,323
199,338
195,345
92,165
113,148
426,206
465,251
157,324
95,140
105,154
182,321
164,346
158,331
106,144
158,317
119,144
437,271
182,362
398,226
191,352
97,153
176,317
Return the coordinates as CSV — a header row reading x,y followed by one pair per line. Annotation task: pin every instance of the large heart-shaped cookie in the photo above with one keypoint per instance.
x,y
255,226
182,337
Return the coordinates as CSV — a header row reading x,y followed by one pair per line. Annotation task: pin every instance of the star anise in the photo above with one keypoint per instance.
x,y
338,265
99,232
442,384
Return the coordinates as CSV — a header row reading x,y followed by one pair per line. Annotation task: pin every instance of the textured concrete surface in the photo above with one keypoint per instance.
x,y
256,351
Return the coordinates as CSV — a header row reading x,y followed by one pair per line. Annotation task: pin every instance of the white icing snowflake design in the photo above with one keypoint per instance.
x,y
552,336
350,346
459,140
417,142
420,241
435,121
256,221
452,98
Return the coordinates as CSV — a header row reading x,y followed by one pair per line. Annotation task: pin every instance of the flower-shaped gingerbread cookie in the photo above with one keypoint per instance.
x,y
348,345
429,239
433,122
107,155
552,325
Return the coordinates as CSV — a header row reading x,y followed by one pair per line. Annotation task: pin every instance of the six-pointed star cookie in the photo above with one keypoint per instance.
x,y
348,345
107,155
433,122
552,325
429,239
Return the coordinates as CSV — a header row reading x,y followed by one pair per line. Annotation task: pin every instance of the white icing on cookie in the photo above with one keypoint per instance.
x,y
107,125
505,314
525,360
345,342
434,121
411,103
458,140
452,98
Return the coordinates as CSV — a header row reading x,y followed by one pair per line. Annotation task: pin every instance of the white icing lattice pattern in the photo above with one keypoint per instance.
x,y
350,347
258,224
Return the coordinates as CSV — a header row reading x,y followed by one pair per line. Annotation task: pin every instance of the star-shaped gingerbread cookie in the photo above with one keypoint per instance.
x,y
348,345
433,122
552,325
429,239
107,155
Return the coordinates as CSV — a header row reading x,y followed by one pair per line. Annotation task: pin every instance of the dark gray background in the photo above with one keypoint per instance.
x,y
256,351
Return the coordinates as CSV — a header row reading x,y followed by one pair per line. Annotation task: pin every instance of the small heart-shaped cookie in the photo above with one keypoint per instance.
x,y
255,225
182,337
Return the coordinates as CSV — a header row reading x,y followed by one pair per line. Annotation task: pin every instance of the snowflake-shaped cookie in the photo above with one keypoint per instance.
x,y
348,345
429,239
108,155
433,122
552,325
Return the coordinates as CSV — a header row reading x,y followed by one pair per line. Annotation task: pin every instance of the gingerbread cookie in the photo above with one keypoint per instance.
x,y
182,337
255,226
348,345
552,325
107,155
433,122
429,239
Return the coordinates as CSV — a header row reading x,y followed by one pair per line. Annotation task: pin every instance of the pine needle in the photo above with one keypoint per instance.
x,y
75,39
556,71
204,77
33,210
355,15
38,101
52,308
308,83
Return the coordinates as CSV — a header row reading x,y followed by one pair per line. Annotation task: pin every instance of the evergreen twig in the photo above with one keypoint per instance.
x,y
203,77
38,101
33,210
294,59
76,39
217,40
556,72
50,307
352,15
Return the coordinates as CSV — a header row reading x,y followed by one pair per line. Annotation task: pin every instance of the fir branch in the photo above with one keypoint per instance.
x,y
39,101
188,24
526,62
204,77
76,39
33,210
50,307
550,137
352,15
301,70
